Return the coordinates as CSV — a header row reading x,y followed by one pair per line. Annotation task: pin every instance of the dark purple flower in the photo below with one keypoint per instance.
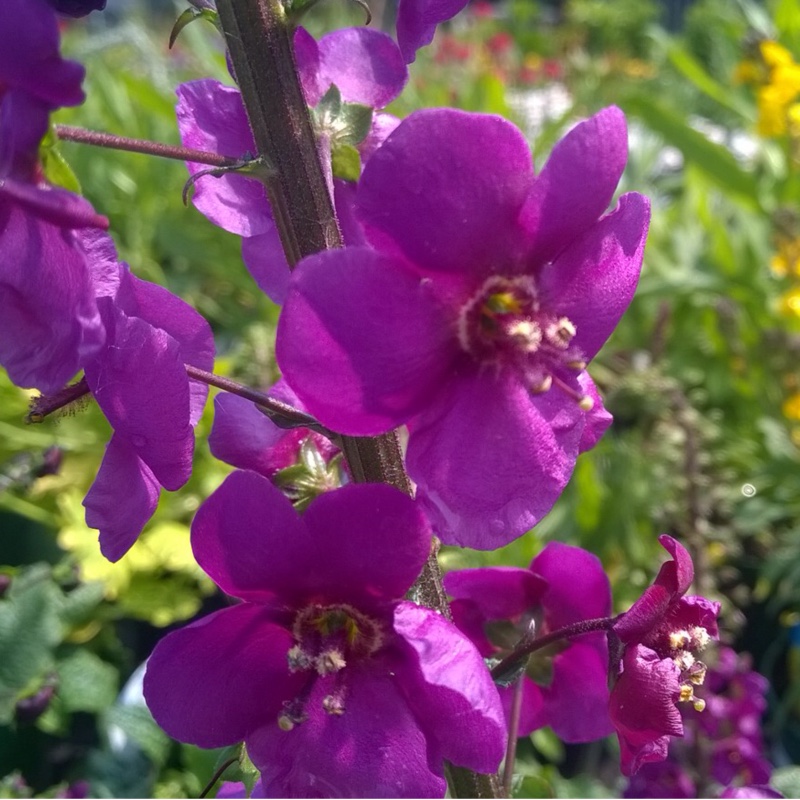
x,y
654,645
366,67
473,318
77,8
417,21
563,585
338,686
139,381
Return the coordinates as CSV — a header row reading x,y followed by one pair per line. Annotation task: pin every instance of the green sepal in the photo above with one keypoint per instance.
x,y
54,165
189,16
346,162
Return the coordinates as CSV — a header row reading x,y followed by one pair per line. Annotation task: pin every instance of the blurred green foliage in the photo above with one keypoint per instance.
x,y
696,375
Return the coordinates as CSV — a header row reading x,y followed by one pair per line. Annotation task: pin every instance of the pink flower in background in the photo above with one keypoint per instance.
x,y
472,317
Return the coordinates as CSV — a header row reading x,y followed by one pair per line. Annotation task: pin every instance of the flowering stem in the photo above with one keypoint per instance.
x,y
521,652
218,774
70,133
259,36
513,733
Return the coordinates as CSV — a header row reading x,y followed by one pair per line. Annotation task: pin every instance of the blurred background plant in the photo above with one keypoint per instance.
x,y
702,375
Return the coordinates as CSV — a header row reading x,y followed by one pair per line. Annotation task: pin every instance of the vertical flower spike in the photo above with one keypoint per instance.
x,y
338,686
564,585
472,318
653,646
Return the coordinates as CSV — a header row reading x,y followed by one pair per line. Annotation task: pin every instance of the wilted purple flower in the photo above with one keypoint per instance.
x,y
338,687
567,690
654,644
417,21
139,381
367,68
473,319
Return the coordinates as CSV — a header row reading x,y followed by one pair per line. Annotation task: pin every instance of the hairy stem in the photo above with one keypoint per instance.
x,y
259,38
527,646
70,133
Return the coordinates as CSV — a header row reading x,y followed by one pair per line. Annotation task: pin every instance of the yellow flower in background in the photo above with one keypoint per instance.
x,y
789,304
774,54
749,71
791,407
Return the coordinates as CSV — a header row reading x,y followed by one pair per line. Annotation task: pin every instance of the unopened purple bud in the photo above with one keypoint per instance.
x,y
5,583
29,709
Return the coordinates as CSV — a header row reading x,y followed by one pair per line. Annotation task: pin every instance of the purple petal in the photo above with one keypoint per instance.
x,y
597,419
417,21
431,193
54,205
592,282
364,64
140,383
576,184
362,340
752,791
489,461
50,323
577,586
164,310
576,701
368,542
122,498
374,749
247,439
382,126
642,707
266,262
672,581
245,536
450,689
500,593
23,122
217,680
306,53
29,56
212,117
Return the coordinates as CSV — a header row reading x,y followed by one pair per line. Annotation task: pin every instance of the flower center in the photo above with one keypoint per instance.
x,y
683,644
504,325
327,639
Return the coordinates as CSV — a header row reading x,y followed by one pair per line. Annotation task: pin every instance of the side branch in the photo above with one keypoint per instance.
x,y
70,133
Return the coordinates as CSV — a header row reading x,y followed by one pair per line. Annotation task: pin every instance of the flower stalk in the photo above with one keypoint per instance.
x,y
259,38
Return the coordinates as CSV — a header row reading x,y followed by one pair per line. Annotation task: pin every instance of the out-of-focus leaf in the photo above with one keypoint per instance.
x,y
86,682
137,723
711,158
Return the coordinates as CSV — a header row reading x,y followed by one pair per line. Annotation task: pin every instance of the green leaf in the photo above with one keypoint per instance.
x,y
787,781
138,724
692,69
86,682
80,602
29,630
55,166
712,159
346,162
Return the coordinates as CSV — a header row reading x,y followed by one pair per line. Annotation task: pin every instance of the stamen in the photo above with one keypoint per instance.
x,y
679,640
585,403
298,659
330,661
560,333
333,705
544,386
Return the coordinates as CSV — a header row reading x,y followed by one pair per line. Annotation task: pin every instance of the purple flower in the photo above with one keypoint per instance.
x,y
367,68
661,779
139,381
654,644
338,687
417,21
749,792
563,585
472,319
